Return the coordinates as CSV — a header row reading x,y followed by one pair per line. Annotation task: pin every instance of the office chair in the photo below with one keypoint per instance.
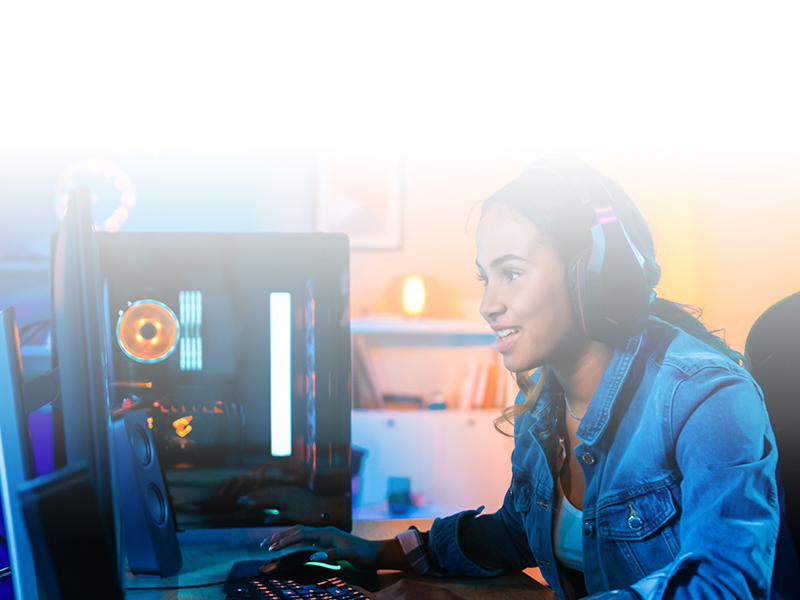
x,y
772,352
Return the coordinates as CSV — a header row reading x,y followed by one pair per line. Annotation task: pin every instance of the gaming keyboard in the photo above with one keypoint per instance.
x,y
272,589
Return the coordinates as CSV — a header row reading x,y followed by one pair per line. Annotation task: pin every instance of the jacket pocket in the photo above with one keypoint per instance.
x,y
634,536
636,517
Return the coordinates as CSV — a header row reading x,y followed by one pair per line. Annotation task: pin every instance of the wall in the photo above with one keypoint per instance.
x,y
724,221
725,225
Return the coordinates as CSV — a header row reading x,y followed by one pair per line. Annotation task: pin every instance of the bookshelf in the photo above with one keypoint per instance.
x,y
454,458
482,383
423,332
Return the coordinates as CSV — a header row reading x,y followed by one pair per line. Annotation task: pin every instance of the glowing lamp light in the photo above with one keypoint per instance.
x,y
419,296
413,295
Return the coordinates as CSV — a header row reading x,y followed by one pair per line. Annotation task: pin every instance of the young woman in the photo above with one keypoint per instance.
x,y
644,462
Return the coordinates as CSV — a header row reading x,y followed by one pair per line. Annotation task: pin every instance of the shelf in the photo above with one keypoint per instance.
x,y
424,332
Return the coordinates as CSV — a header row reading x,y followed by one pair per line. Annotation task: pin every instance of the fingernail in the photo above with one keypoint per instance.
x,y
318,556
264,543
271,548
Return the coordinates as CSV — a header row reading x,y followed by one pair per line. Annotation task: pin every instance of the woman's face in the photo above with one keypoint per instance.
x,y
526,298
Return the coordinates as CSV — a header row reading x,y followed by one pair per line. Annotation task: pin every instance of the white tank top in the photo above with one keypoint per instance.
x,y
569,535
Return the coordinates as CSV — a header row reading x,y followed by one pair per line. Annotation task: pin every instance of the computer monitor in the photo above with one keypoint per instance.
x,y
16,465
79,351
238,347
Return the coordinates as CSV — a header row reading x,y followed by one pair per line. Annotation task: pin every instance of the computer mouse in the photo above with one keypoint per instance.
x,y
299,567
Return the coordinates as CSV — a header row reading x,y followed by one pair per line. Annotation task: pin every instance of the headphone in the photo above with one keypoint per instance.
x,y
607,282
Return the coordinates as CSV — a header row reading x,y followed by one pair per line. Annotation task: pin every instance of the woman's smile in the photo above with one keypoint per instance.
x,y
506,338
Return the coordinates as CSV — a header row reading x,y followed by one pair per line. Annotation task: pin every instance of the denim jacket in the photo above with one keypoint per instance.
x,y
680,499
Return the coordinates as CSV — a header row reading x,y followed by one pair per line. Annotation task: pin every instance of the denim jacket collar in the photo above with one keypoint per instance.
x,y
597,415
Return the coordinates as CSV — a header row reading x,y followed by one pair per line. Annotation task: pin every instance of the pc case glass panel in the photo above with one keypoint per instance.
x,y
198,358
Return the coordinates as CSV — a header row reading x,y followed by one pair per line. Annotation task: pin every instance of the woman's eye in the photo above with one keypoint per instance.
x,y
511,275
483,279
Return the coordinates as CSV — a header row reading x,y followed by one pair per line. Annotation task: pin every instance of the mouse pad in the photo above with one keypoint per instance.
x,y
248,569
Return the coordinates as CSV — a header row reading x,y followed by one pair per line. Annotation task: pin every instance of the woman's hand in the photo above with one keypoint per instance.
x,y
337,545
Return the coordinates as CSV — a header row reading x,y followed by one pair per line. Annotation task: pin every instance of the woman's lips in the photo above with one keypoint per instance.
x,y
504,344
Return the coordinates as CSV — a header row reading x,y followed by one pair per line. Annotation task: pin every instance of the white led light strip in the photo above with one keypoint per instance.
x,y
191,309
280,373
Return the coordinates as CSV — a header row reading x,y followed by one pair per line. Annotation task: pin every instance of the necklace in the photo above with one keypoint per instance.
x,y
570,410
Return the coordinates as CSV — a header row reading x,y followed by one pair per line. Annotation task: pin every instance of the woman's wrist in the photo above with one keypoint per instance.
x,y
389,555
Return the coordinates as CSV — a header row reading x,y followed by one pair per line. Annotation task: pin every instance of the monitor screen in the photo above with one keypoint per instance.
x,y
238,347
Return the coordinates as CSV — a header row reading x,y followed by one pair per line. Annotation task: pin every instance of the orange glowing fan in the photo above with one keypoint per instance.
x,y
148,331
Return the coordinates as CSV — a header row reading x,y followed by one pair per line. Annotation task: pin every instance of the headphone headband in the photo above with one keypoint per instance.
x,y
608,281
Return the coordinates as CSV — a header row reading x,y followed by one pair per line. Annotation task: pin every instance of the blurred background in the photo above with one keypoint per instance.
x,y
390,121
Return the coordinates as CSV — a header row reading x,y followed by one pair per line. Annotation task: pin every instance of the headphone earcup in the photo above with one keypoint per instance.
x,y
576,283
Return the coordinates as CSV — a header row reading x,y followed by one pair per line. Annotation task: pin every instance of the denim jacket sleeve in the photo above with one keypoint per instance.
x,y
725,452
469,543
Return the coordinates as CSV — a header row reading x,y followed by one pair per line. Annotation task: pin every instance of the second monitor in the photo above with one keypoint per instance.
x,y
238,347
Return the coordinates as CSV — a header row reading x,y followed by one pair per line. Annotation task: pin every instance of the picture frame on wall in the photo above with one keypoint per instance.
x,y
360,194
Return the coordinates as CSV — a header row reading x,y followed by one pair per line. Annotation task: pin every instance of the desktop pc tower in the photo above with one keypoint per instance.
x,y
236,350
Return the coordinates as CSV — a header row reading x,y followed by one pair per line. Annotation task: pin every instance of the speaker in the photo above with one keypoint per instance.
x,y
608,283
148,531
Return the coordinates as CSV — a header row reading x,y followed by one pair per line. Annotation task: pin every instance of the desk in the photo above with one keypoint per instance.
x,y
210,557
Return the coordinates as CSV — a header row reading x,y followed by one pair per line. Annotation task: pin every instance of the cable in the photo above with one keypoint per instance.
x,y
37,326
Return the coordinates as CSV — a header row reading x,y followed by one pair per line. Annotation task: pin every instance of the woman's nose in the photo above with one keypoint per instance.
x,y
491,308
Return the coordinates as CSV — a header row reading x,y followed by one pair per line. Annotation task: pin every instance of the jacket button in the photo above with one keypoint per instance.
x,y
588,458
545,434
588,529
635,523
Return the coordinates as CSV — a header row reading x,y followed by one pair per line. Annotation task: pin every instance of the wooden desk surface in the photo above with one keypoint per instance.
x,y
208,558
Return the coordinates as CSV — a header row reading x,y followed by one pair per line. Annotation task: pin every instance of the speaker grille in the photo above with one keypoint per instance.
x,y
156,504
140,445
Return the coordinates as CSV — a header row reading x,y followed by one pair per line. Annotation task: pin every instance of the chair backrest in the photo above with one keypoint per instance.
x,y
772,351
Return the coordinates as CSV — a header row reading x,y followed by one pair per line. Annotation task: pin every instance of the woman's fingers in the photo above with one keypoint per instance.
x,y
286,537
334,543
300,533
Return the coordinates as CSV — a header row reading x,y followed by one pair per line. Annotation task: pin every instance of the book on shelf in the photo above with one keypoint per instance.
x,y
479,391
488,400
402,401
466,397
486,386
